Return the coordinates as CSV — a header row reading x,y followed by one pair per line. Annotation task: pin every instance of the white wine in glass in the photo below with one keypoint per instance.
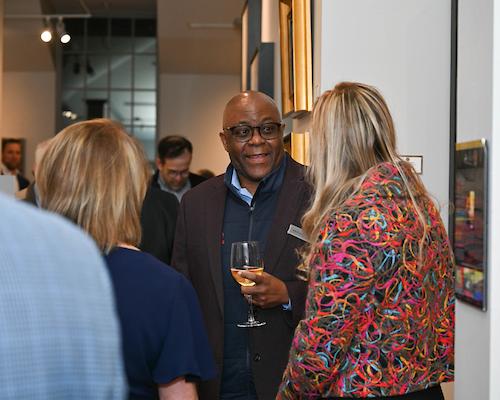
x,y
244,281
245,256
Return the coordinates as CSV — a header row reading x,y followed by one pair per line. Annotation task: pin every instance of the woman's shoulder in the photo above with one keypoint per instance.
x,y
145,265
371,209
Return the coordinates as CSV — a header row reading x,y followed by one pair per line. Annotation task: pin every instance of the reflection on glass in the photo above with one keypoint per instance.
x,y
72,75
145,72
120,106
121,71
146,135
96,69
145,45
109,69
145,107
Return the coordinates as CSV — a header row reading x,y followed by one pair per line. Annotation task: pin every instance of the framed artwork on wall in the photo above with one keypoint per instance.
x,y
470,243
22,145
254,72
296,56
244,48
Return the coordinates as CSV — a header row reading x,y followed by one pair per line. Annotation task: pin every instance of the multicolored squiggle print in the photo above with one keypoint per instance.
x,y
378,322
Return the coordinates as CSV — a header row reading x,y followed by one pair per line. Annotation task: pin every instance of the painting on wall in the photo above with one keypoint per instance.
x,y
22,145
296,56
244,48
470,222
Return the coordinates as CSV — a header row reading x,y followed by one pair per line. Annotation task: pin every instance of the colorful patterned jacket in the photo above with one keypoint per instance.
x,y
377,322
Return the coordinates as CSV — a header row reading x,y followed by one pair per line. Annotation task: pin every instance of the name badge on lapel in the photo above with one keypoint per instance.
x,y
297,232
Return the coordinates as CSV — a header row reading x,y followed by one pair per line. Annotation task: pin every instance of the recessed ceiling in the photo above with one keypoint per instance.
x,y
181,48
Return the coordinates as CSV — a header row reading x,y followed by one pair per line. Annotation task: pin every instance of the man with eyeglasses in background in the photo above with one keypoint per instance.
x,y
261,197
169,183
174,159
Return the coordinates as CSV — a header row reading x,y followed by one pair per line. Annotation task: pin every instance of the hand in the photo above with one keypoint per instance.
x,y
268,290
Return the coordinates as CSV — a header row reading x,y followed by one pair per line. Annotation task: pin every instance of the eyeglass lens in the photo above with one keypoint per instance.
x,y
267,131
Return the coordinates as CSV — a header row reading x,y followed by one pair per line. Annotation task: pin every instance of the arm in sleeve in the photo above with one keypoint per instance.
x,y
297,291
339,287
186,351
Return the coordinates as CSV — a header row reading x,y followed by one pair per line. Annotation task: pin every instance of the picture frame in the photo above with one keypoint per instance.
x,y
254,72
296,56
244,48
22,142
470,216
300,147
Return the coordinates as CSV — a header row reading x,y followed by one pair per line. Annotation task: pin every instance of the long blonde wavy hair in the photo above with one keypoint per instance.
x,y
96,175
352,132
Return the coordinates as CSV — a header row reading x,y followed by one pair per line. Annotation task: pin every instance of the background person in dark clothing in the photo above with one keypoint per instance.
x,y
158,218
261,197
11,161
174,159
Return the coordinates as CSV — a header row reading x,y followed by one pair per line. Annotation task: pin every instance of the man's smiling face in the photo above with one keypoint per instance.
x,y
256,158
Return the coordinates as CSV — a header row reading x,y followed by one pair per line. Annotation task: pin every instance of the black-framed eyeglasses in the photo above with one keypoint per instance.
x,y
267,130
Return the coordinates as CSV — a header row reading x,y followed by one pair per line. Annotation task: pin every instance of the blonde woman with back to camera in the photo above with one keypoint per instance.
x,y
379,319
96,175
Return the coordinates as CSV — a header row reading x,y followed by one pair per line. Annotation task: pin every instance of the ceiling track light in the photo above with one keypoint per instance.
x,y
46,35
64,36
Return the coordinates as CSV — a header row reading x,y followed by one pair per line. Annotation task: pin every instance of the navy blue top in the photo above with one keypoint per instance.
x,y
163,335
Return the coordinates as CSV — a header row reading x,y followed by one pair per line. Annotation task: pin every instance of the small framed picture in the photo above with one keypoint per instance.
x,y
470,243
13,149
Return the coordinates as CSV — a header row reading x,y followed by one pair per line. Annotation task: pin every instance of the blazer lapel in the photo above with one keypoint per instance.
x,y
214,212
290,200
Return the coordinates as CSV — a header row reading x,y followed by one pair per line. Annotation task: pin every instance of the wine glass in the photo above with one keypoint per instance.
x,y
245,256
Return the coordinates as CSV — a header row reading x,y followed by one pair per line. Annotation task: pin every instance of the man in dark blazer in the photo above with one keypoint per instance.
x,y
262,196
174,159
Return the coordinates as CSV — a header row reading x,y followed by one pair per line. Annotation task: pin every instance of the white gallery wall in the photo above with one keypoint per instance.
x,y
191,105
402,48
28,109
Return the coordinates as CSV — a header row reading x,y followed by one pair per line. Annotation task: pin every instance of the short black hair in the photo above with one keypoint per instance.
x,y
6,142
173,146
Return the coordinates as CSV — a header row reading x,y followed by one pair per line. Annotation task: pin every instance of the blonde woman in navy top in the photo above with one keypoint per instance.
x,y
96,175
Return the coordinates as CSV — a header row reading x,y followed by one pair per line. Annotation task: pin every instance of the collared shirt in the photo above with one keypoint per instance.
x,y
243,193
163,186
5,171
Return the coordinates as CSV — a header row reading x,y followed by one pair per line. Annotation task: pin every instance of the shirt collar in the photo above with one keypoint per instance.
x,y
270,183
243,193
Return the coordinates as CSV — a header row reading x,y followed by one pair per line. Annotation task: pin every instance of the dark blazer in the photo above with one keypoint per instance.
x,y
197,254
158,218
22,182
31,195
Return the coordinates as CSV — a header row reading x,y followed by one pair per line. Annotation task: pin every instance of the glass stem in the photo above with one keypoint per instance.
x,y
251,317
